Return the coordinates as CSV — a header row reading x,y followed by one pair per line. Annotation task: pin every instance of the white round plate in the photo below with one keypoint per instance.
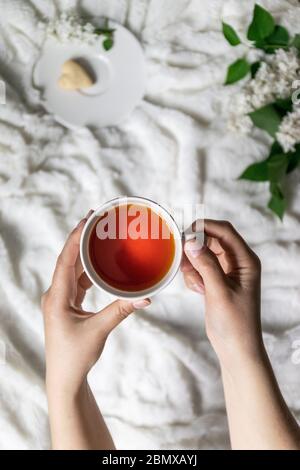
x,y
120,80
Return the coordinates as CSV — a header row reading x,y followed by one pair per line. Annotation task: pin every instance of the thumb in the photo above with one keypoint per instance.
x,y
206,263
113,314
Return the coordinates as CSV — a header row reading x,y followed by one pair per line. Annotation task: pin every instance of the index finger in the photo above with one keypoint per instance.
x,y
230,240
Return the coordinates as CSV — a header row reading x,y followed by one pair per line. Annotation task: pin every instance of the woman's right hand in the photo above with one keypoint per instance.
x,y
228,273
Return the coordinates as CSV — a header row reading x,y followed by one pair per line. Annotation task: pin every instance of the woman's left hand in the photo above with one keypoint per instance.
x,y
75,338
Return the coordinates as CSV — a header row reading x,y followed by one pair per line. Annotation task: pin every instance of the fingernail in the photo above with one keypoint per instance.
x,y
141,303
193,248
88,215
197,288
84,220
81,223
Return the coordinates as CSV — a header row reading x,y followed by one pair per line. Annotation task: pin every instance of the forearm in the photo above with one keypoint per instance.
x,y
75,420
257,413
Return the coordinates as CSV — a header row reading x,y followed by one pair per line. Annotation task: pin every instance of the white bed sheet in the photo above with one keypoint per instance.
x,y
158,382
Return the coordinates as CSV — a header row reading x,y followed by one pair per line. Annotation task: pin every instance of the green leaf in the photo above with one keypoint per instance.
x,y
275,149
266,118
230,34
271,169
256,172
275,190
280,36
283,106
254,68
107,32
296,41
270,48
262,24
104,31
108,43
277,203
236,71
294,159
277,166
279,39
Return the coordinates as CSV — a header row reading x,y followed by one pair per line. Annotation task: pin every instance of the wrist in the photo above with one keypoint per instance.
x,y
237,357
65,390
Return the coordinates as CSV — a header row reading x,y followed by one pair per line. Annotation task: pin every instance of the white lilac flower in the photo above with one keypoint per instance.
x,y
273,80
288,134
71,28
238,119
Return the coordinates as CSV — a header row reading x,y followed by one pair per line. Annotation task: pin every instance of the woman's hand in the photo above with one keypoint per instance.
x,y
75,338
227,272
74,342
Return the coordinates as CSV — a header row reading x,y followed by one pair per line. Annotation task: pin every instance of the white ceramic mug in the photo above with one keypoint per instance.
x,y
85,255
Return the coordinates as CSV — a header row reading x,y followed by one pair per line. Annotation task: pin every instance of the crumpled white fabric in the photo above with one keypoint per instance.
x,y
158,382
